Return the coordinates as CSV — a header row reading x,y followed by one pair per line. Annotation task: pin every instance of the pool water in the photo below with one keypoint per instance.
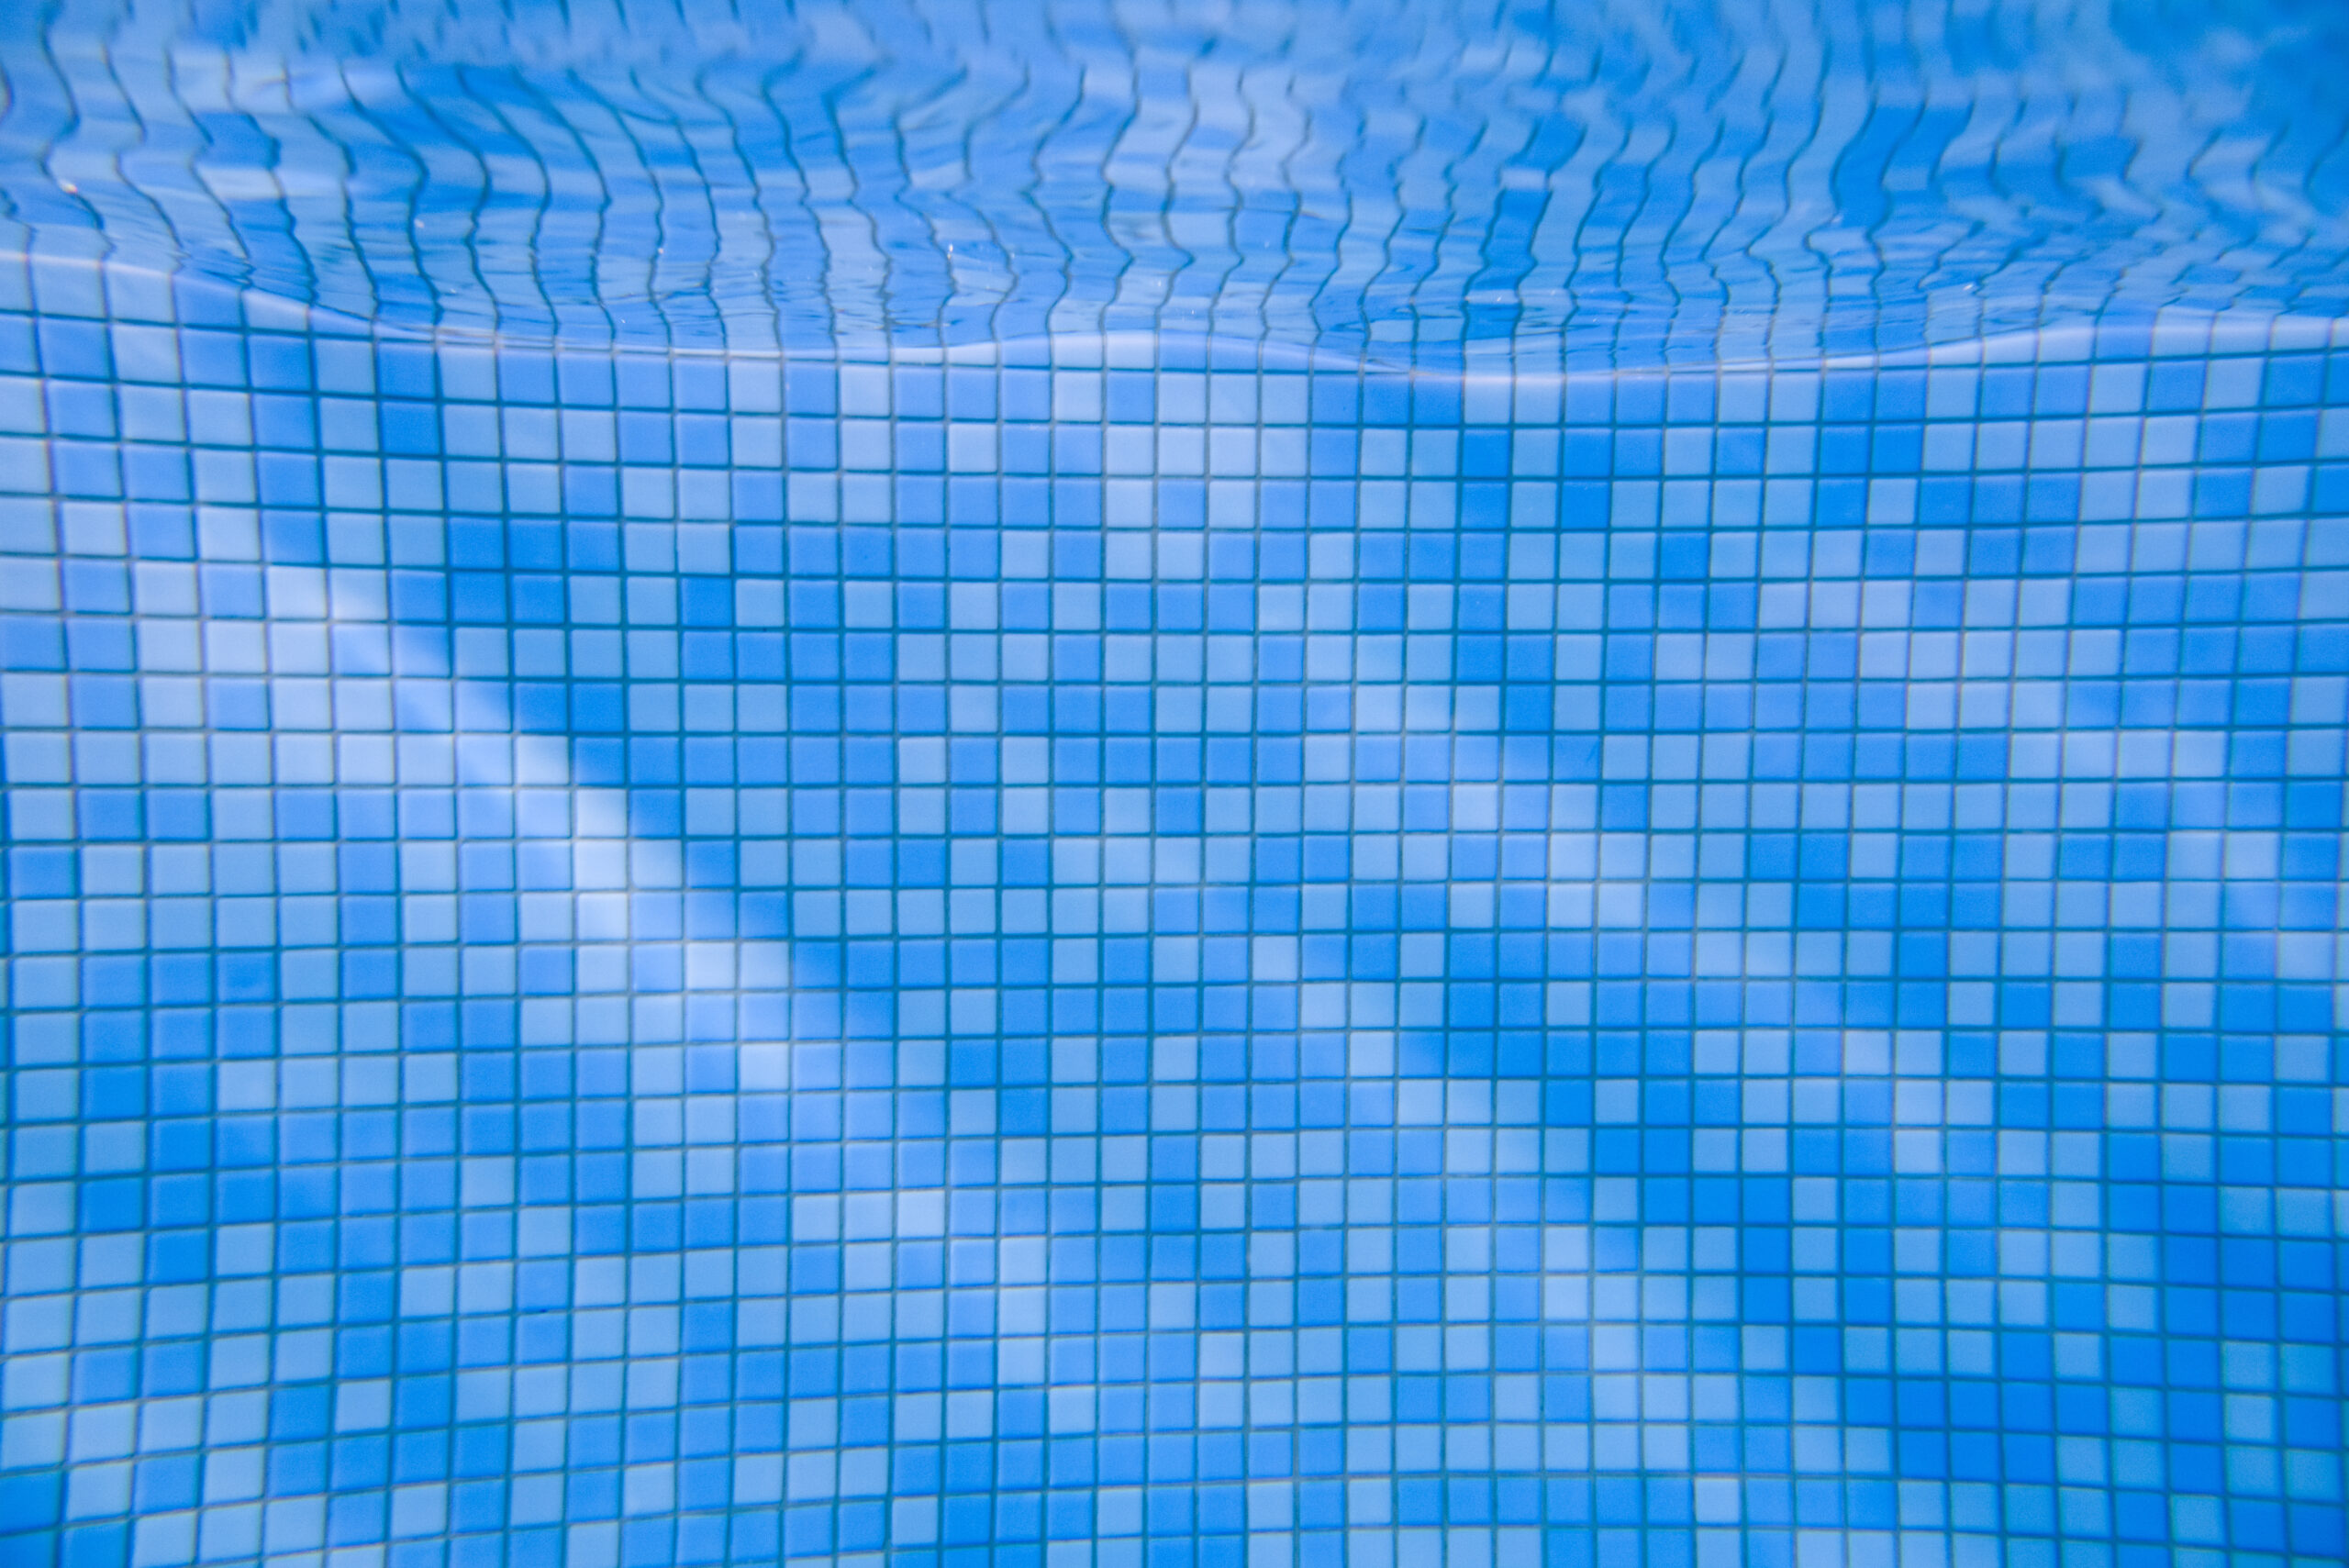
x,y
1084,786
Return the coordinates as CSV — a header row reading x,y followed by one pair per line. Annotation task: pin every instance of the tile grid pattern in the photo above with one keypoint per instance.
x,y
630,959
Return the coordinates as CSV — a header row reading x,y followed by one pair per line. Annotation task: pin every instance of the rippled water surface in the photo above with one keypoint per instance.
x,y
1139,786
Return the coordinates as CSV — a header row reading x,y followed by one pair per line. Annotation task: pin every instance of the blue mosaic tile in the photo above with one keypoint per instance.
x,y
1127,786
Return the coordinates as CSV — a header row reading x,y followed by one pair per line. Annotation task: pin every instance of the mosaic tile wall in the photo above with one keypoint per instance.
x,y
1145,949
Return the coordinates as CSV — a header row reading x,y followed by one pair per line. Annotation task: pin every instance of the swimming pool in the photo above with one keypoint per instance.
x,y
1084,786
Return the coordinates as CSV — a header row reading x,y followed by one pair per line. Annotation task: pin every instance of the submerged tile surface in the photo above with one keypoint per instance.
x,y
1099,788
